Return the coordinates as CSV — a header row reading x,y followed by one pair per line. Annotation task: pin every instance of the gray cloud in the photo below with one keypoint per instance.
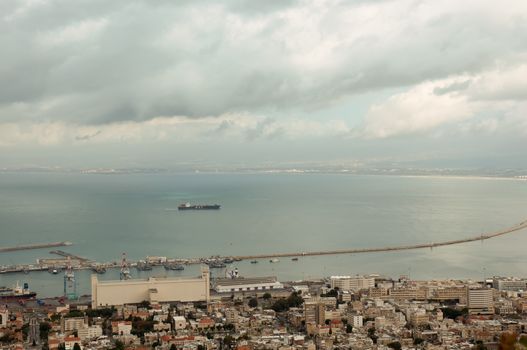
x,y
95,61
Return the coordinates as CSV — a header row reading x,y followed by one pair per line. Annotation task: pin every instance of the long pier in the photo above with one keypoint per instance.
x,y
481,237
34,246
69,255
88,264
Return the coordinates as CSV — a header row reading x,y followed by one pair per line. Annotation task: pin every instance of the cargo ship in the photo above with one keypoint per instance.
x,y
188,206
16,293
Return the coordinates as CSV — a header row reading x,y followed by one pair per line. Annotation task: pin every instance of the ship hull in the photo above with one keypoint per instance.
x,y
200,207
18,297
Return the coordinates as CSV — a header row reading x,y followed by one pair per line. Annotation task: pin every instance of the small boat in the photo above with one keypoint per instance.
x,y
174,267
294,259
143,266
254,262
98,268
177,267
217,265
275,260
228,260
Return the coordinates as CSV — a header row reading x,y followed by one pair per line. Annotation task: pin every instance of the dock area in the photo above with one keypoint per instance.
x,y
84,263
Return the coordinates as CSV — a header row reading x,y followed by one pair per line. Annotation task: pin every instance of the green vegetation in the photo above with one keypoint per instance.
x,y
395,345
372,335
44,327
294,300
75,313
253,302
418,341
349,328
228,341
140,327
118,345
267,296
105,313
454,313
331,293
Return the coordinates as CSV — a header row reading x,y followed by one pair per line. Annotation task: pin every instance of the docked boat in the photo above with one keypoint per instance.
x,y
16,293
143,266
254,262
275,260
174,267
217,265
100,269
294,259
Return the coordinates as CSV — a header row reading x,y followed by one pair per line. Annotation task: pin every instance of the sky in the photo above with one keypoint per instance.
x,y
137,83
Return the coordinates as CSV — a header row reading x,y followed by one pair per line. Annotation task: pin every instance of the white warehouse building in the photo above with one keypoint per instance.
x,y
153,289
241,284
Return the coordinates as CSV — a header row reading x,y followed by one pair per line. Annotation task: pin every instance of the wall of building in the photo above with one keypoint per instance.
x,y
108,293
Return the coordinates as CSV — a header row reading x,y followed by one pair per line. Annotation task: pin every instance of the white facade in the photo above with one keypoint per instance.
x,y
111,293
228,285
509,284
73,323
4,316
480,300
352,283
357,321
90,332
179,322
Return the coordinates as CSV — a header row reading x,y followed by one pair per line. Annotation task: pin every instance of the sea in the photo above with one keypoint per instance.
x,y
107,215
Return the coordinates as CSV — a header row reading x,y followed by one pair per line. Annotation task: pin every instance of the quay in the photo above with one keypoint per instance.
x,y
34,246
69,255
84,263
431,245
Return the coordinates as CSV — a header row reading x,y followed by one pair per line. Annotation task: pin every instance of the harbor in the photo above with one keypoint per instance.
x,y
75,262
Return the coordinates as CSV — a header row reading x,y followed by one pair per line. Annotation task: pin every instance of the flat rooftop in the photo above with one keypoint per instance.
x,y
242,281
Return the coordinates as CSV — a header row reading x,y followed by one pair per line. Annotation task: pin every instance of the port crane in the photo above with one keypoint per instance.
x,y
70,283
125,270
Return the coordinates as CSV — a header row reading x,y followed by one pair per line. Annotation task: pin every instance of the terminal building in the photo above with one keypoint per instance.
x,y
242,284
153,289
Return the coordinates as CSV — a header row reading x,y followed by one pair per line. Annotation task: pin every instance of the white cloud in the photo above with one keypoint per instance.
x,y
141,60
493,98
416,110
73,33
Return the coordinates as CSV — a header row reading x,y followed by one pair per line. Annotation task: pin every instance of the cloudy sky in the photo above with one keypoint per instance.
x,y
161,83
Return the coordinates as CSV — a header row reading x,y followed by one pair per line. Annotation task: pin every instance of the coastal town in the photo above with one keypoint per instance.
x,y
336,312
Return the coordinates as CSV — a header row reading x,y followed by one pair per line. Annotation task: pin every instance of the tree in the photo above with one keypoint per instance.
x,y
508,341
395,345
349,328
253,302
76,346
44,330
418,341
173,347
228,341
119,345
294,300
62,346
332,293
267,296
